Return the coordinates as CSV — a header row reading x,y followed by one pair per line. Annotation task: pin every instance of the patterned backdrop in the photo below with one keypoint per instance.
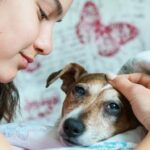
x,y
99,34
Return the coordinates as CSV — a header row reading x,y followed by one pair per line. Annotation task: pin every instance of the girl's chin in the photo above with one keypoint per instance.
x,y
7,78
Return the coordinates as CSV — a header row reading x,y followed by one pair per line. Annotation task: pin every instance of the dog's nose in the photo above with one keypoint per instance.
x,y
73,127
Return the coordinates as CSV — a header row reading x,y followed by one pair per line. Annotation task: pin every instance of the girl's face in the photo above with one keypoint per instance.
x,y
26,31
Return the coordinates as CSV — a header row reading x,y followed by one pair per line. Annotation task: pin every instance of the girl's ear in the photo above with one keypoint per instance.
x,y
69,74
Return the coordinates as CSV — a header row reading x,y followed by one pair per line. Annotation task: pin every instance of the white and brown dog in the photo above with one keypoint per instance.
x,y
93,110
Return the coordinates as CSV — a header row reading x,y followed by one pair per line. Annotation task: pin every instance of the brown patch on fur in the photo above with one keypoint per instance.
x,y
69,74
90,78
127,119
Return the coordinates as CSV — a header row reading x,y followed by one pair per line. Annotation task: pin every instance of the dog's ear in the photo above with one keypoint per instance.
x,y
69,74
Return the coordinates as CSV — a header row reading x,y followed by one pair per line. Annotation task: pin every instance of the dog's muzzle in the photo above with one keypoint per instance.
x,y
73,128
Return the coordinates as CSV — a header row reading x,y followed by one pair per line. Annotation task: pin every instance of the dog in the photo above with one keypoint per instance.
x,y
92,110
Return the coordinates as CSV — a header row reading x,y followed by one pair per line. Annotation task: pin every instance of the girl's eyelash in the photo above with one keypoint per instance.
x,y
59,20
42,14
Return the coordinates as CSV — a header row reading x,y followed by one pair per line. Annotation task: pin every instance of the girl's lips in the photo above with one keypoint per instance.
x,y
29,59
25,61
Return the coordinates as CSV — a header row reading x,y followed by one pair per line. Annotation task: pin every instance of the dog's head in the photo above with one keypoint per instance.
x,y
93,110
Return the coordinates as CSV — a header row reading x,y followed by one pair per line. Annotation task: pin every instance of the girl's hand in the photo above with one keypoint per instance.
x,y
136,88
4,145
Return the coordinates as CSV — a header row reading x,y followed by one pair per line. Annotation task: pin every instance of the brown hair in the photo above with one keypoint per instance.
x,y
9,98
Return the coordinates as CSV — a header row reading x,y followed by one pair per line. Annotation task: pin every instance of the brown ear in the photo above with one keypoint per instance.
x,y
69,74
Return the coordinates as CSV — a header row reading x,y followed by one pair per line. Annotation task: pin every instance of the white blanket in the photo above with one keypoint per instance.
x,y
39,135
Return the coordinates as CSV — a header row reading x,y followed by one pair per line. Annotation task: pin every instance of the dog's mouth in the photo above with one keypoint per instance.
x,y
69,142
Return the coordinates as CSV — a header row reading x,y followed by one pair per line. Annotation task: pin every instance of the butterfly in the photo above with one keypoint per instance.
x,y
107,38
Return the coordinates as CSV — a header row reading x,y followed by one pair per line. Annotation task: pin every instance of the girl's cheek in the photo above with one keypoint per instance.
x,y
29,35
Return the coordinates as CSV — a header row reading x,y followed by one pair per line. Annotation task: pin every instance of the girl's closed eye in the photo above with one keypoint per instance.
x,y
60,20
42,14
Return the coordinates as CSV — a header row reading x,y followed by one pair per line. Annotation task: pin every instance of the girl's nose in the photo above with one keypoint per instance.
x,y
43,43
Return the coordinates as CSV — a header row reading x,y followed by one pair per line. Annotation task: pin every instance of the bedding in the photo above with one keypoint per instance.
x,y
41,135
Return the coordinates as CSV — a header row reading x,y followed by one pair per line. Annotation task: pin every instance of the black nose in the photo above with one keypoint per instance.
x,y
73,127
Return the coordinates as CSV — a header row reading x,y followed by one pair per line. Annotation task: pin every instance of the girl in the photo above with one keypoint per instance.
x,y
25,32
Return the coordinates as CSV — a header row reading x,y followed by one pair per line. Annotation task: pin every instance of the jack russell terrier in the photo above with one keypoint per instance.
x,y
92,110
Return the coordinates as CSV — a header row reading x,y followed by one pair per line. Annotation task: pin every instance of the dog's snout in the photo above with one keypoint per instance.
x,y
73,127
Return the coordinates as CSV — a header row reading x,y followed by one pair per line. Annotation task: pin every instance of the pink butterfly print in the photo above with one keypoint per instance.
x,y
108,38
44,107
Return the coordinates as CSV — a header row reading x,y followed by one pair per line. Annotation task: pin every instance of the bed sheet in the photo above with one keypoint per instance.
x,y
41,135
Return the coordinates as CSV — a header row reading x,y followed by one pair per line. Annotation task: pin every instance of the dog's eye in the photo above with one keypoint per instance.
x,y
79,91
112,108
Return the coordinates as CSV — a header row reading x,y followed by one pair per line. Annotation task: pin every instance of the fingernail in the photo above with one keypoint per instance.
x,y
110,76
